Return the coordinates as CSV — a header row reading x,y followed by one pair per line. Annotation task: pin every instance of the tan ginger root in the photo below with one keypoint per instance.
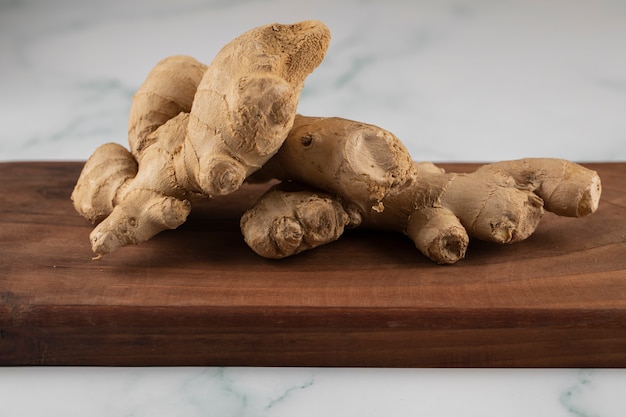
x,y
197,130
365,177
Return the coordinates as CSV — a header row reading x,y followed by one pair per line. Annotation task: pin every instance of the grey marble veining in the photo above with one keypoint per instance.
x,y
456,80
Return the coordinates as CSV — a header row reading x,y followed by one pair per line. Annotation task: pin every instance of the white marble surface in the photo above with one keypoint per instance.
x,y
455,80
310,392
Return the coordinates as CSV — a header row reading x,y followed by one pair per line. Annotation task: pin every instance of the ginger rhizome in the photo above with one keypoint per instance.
x,y
363,176
198,131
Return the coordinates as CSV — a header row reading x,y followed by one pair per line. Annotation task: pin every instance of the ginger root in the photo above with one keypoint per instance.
x,y
380,187
198,131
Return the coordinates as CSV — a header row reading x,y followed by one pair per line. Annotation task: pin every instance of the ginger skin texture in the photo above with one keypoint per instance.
x,y
197,131
380,187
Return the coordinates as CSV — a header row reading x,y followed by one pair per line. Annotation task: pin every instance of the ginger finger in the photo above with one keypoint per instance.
x,y
567,189
490,207
168,90
104,174
136,223
246,102
438,234
285,222
358,161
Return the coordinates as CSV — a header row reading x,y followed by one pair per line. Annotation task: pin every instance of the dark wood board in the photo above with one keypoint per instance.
x,y
199,296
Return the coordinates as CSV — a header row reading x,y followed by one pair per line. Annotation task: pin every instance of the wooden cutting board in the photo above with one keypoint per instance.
x,y
199,296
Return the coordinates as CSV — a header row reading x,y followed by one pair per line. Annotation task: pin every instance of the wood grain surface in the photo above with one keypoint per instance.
x,y
199,296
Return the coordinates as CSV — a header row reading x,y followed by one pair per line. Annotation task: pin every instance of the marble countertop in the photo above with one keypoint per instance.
x,y
464,80
311,392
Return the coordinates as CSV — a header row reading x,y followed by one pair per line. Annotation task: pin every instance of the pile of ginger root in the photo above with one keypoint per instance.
x,y
199,131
